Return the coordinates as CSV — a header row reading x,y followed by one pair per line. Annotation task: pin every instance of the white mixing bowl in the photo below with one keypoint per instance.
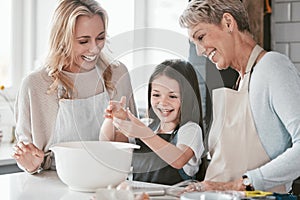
x,y
89,165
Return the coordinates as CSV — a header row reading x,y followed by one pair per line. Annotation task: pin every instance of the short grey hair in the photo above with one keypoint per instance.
x,y
211,11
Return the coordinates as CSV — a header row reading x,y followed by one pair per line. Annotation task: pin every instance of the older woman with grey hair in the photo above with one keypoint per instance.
x,y
254,140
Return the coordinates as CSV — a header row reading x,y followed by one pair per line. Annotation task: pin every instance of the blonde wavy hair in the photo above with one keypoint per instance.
x,y
61,37
211,11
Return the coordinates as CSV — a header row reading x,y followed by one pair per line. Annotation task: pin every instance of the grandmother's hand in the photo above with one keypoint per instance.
x,y
133,127
218,186
28,156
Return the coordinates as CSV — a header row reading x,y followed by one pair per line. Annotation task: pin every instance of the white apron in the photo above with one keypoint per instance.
x,y
81,119
234,144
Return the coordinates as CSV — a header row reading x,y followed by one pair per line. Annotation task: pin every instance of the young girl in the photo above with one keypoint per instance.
x,y
171,147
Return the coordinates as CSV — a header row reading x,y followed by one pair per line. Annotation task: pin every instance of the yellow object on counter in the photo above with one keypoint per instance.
x,y
257,193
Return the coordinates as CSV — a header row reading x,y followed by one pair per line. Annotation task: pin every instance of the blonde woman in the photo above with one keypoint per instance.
x,y
65,99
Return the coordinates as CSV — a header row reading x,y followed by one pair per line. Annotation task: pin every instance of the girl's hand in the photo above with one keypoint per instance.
x,y
28,156
133,128
116,109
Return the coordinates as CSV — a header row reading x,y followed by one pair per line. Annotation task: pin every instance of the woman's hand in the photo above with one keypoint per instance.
x,y
116,109
219,186
28,156
133,128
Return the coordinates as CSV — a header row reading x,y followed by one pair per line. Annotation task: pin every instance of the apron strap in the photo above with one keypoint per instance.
x,y
253,57
251,63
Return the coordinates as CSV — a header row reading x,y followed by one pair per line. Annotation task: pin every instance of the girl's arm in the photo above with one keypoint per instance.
x,y
176,156
108,132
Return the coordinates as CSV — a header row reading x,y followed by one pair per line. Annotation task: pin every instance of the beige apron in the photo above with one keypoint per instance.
x,y
80,119
234,144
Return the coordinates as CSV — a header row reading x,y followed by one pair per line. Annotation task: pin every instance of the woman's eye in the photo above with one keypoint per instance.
x,y
173,97
100,38
200,37
83,42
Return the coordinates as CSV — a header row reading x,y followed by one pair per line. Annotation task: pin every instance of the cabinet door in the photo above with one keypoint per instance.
x,y
255,11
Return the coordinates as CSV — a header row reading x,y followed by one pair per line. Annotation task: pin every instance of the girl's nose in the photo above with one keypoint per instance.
x,y
163,101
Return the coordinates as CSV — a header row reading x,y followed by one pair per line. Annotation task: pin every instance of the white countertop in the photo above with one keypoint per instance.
x,y
24,186
45,186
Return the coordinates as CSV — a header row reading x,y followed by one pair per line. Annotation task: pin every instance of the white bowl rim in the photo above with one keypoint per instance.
x,y
119,145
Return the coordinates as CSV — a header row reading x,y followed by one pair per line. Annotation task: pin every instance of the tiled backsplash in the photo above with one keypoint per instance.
x,y
285,28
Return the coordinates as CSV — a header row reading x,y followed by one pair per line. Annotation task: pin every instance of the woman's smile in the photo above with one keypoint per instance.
x,y
89,58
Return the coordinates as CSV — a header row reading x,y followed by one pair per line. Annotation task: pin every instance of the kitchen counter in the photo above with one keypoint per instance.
x,y
21,185
46,186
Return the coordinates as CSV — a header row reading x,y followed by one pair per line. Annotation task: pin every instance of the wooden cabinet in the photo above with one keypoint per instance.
x,y
255,11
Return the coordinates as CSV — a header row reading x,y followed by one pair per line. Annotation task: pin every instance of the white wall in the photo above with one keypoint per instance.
x,y
44,13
